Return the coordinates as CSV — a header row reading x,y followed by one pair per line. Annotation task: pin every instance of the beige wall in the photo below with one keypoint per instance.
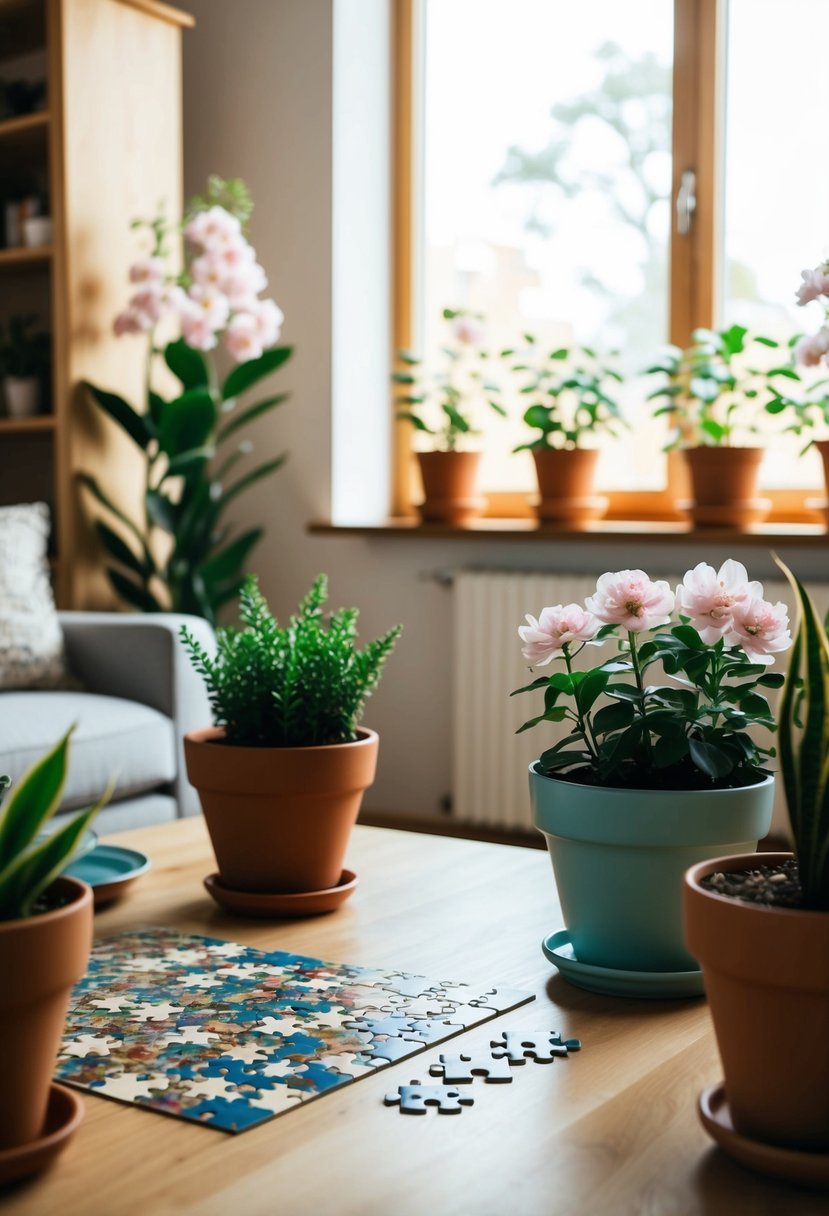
x,y
258,94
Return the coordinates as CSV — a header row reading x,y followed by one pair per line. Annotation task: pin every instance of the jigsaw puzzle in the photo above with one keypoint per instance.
x,y
229,1036
414,1098
543,1047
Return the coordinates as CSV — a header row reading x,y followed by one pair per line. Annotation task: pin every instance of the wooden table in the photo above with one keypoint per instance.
x,y
612,1130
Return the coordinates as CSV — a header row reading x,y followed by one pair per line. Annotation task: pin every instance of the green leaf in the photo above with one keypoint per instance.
x,y
591,688
91,484
118,549
162,511
247,374
670,749
225,564
254,411
186,462
35,797
187,422
541,682
262,470
136,595
613,717
188,365
710,759
157,406
139,428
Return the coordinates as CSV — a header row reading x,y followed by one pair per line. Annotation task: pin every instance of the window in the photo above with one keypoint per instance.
x,y
550,144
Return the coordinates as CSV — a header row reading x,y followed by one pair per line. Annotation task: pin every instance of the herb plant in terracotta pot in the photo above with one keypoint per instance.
x,y
444,405
45,939
570,405
649,777
760,928
713,394
282,772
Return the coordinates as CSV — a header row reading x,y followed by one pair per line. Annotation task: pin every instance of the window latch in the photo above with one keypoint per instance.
x,y
686,202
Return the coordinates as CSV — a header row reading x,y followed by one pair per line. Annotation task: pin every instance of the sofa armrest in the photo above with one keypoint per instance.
x,y
142,658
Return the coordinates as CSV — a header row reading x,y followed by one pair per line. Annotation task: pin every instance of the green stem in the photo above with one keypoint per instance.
x,y
581,720
637,671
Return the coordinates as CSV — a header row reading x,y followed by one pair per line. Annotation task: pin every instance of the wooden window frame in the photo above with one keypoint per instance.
x,y
698,79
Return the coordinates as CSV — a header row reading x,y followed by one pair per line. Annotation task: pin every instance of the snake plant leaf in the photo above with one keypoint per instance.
x,y
33,800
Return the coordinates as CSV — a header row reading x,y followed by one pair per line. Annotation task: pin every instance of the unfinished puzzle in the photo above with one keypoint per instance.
x,y
230,1036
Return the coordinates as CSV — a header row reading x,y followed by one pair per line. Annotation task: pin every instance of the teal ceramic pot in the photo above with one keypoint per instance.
x,y
619,857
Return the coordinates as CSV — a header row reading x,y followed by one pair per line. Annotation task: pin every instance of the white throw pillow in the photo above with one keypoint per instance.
x,y
31,641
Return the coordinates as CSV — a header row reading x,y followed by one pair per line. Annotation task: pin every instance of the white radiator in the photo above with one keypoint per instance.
x,y
489,760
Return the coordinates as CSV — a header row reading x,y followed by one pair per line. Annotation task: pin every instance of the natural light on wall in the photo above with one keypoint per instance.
x,y
545,153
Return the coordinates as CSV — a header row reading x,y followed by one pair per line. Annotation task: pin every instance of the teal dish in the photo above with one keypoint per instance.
x,y
619,857
610,981
109,869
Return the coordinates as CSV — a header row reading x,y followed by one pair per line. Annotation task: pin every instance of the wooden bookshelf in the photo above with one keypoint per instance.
x,y
24,127
39,424
11,260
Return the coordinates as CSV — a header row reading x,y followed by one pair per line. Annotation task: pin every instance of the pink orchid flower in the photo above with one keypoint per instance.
x,y
556,628
632,600
708,597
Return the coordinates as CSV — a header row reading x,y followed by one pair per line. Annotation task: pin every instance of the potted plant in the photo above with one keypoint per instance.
x,y
570,406
650,777
25,357
760,927
45,938
182,555
282,772
712,393
450,471
810,409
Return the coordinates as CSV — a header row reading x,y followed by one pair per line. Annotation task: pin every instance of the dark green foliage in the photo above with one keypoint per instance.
x,y
299,686
569,395
24,353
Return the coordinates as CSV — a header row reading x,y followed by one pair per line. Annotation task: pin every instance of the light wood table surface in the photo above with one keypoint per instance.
x,y
611,1130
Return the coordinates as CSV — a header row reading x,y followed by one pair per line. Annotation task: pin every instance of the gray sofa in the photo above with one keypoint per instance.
x,y
139,696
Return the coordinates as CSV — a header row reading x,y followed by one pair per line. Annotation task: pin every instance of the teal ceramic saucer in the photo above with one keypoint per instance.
x,y
109,869
558,949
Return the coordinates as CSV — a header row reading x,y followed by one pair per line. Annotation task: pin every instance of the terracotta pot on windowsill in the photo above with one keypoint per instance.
x,y
822,504
724,487
450,487
565,484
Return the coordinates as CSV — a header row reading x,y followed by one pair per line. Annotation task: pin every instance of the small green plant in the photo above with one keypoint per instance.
x,y
714,390
803,730
444,404
28,864
568,397
24,351
302,685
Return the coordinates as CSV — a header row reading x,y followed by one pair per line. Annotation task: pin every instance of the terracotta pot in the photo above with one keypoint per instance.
x,y
41,958
279,818
724,487
767,978
450,487
822,504
565,483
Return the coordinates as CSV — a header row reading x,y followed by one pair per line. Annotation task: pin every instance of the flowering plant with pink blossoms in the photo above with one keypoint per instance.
x,y
714,636
810,409
191,442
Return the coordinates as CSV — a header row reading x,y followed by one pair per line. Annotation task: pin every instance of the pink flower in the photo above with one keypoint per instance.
x,y
468,329
556,628
211,303
196,328
708,597
268,317
208,270
242,337
130,322
150,270
760,628
244,283
815,283
811,348
146,306
213,228
630,599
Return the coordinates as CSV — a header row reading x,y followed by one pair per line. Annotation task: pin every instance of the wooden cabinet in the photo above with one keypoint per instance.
x,y
105,150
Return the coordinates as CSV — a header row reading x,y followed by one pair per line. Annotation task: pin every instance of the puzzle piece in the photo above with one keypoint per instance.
x,y
543,1047
277,1099
460,1069
90,1045
393,1026
128,1086
389,1049
211,1087
414,1098
158,1012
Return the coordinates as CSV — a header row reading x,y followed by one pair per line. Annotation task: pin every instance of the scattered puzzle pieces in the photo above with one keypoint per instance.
x,y
461,1069
518,1046
414,1098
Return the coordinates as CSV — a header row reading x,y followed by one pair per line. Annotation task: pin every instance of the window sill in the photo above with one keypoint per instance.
x,y
812,536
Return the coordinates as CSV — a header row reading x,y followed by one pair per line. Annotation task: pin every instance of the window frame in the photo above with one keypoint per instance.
x,y
698,89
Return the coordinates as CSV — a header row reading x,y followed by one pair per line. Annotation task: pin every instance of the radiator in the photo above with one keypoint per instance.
x,y
489,759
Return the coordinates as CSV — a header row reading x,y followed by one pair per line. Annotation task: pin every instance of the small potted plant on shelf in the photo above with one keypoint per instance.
x,y
25,358
282,772
570,405
760,927
811,351
45,939
713,392
449,472
650,777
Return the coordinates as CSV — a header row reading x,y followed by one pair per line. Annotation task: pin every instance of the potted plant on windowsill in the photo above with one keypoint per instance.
x,y
570,405
25,357
712,395
810,409
760,928
449,471
650,778
282,772
45,939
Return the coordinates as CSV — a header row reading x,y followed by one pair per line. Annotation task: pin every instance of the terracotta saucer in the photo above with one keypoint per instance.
x,y
807,1169
63,1117
281,906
